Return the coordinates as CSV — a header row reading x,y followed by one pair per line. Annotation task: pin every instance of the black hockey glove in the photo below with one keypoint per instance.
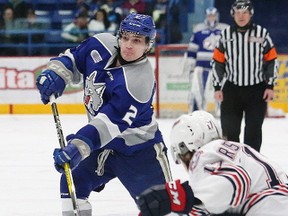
x,y
162,199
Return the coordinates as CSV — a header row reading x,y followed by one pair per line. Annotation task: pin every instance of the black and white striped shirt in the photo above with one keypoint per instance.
x,y
245,58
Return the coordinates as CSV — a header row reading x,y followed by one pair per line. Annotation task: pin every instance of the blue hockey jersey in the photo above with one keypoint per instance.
x,y
118,100
203,42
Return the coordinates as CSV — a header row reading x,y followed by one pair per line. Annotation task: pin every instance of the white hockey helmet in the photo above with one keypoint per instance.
x,y
191,131
211,11
212,17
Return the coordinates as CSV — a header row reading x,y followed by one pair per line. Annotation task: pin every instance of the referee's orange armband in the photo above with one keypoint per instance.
x,y
218,56
271,55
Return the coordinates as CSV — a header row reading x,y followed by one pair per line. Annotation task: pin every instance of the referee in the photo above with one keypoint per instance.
x,y
244,68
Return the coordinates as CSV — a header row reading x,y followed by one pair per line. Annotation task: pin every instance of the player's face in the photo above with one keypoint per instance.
x,y
132,46
185,159
242,17
211,18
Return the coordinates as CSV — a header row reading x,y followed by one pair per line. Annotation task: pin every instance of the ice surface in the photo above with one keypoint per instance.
x,y
29,183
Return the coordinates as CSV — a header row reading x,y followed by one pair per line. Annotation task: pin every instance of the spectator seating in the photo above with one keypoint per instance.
x,y
43,14
56,14
46,5
60,18
67,4
2,4
53,36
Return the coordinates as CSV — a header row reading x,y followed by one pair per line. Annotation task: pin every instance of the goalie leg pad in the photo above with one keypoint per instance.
x,y
197,89
85,207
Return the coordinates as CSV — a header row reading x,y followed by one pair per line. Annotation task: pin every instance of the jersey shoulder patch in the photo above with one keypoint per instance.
x,y
140,80
108,40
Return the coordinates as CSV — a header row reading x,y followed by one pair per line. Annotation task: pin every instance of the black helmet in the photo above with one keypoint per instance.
x,y
242,5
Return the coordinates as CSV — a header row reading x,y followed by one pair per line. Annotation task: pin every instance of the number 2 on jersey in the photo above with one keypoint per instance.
x,y
130,114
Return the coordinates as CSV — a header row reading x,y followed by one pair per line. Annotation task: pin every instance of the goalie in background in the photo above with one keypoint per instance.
x,y
225,178
199,55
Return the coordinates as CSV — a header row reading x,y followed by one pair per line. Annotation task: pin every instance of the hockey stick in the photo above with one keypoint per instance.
x,y
67,170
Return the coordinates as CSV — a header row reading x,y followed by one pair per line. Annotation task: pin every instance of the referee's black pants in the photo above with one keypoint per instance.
x,y
248,101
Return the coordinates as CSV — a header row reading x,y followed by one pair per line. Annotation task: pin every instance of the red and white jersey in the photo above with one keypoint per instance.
x,y
233,177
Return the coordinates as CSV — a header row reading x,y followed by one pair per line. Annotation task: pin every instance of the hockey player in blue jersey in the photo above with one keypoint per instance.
x,y
121,138
200,50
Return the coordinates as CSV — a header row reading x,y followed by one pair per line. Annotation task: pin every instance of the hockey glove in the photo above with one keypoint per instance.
x,y
75,151
48,83
160,200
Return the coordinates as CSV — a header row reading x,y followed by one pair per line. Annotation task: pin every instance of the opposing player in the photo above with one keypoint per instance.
x,y
200,50
122,133
224,176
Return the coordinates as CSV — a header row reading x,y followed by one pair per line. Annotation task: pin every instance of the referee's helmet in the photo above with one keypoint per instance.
x,y
242,5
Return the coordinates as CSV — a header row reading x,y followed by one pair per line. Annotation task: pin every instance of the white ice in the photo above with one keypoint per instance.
x,y
29,183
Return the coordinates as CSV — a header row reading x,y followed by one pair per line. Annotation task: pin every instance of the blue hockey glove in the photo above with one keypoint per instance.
x,y
48,83
75,151
160,200
70,154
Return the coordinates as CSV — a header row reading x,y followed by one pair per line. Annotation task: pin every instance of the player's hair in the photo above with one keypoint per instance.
x,y
191,131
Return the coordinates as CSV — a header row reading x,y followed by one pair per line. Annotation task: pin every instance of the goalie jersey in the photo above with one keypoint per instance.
x,y
233,177
118,100
203,42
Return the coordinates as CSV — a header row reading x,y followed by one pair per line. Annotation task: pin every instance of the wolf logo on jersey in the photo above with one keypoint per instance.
x,y
121,134
93,94
210,42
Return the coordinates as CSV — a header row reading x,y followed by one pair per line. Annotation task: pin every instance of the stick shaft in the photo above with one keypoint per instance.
x,y
67,170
